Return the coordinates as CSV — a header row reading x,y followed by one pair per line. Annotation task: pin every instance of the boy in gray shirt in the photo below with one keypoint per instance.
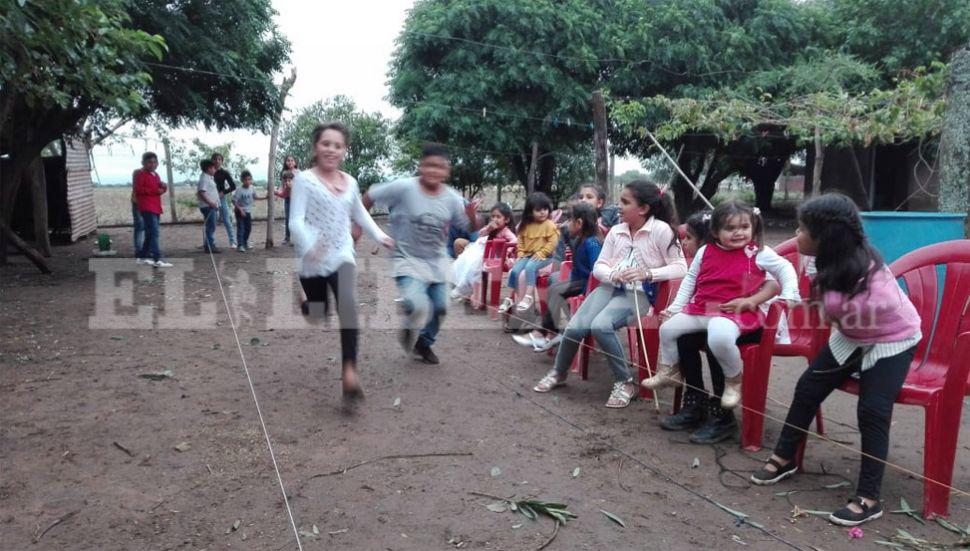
x,y
242,200
421,211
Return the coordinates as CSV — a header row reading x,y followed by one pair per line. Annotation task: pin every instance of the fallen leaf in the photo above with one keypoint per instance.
x,y
614,518
517,526
183,446
576,472
158,375
497,507
496,471
234,527
118,338
397,402
316,531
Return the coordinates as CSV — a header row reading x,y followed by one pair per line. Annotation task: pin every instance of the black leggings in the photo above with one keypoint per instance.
x,y
341,283
878,388
689,347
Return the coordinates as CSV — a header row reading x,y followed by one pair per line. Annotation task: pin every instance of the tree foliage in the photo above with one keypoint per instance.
x,y
187,156
369,150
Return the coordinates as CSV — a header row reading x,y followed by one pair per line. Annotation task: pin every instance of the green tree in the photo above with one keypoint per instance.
x,y
369,150
187,156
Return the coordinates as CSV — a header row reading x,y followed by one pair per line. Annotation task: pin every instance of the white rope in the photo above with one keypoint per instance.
x,y
679,171
252,390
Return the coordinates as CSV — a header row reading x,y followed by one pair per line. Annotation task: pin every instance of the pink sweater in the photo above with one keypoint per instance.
x,y
506,233
882,313
651,248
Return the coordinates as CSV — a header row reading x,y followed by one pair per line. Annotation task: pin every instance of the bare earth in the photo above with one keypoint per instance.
x,y
86,441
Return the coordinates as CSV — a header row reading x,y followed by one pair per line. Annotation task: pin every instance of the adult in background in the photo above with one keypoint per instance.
x,y
225,186
324,202
421,211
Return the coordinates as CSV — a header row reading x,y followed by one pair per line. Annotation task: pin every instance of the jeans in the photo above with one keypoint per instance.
x,y
878,388
424,304
558,293
139,227
605,310
286,213
224,212
531,268
209,237
689,348
244,226
341,284
150,244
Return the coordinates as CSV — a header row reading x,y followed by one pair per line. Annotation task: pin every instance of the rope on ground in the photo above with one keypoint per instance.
x,y
396,456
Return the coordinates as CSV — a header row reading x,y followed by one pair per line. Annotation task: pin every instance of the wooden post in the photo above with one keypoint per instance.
x,y
599,142
38,195
498,199
819,160
612,192
271,171
533,170
955,140
172,205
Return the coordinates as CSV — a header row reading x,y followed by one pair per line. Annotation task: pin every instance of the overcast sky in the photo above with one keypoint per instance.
x,y
337,48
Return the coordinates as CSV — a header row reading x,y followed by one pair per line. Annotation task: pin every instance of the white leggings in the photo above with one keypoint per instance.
x,y
722,336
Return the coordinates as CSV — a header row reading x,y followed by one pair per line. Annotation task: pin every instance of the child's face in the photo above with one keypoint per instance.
x,y
691,243
736,232
498,219
807,245
588,195
575,226
150,164
540,215
434,171
287,182
248,181
217,161
330,150
211,170
631,212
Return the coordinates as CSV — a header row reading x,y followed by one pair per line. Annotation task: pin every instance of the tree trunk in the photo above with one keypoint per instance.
x,y
38,196
955,140
818,163
763,173
841,173
599,142
271,171
172,204
530,186
808,180
547,174
35,257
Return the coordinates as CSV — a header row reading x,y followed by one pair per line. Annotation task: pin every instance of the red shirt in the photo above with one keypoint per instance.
x,y
724,276
148,192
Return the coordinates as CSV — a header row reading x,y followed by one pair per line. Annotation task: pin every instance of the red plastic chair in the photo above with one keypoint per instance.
x,y
666,293
938,376
582,356
493,266
808,334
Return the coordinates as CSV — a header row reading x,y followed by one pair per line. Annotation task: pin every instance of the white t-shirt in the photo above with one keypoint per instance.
x,y
207,185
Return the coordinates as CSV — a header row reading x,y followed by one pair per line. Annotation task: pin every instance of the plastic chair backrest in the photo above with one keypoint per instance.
x,y
800,320
943,317
495,248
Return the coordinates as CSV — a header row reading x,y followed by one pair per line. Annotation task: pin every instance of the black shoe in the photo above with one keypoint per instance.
x,y
764,477
305,308
848,517
426,354
720,426
692,413
404,338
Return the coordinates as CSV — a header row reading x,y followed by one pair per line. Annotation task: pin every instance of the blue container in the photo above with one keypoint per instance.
x,y
896,233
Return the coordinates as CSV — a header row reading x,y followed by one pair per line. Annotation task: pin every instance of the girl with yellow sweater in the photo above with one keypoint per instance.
x,y
538,236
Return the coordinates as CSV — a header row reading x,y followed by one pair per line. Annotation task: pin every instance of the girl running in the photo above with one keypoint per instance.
x,y
324,200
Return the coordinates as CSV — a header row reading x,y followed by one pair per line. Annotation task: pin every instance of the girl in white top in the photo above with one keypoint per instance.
x,y
323,202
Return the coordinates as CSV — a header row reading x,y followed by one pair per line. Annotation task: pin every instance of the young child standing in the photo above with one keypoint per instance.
x,y
467,268
586,246
290,170
148,188
875,330
538,236
208,195
242,201
716,296
641,249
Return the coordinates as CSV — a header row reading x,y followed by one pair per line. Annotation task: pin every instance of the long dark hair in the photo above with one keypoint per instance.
x,y
845,259
585,213
505,210
728,210
699,224
536,201
661,204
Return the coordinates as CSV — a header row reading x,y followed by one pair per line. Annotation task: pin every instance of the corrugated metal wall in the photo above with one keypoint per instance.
x,y
80,190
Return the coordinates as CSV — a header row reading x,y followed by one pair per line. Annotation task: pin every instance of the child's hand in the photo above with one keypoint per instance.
x,y
738,306
663,316
471,209
388,243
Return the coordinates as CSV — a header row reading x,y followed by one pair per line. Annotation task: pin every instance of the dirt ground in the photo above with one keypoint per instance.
x,y
89,458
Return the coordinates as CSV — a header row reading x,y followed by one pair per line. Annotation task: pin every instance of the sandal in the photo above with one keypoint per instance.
x,y
549,382
848,517
764,477
623,393
507,304
525,304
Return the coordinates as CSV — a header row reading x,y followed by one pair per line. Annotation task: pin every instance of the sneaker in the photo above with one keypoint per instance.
x,y
731,396
426,354
241,249
526,340
232,245
548,345
764,477
720,426
666,375
848,517
162,264
143,261
691,415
